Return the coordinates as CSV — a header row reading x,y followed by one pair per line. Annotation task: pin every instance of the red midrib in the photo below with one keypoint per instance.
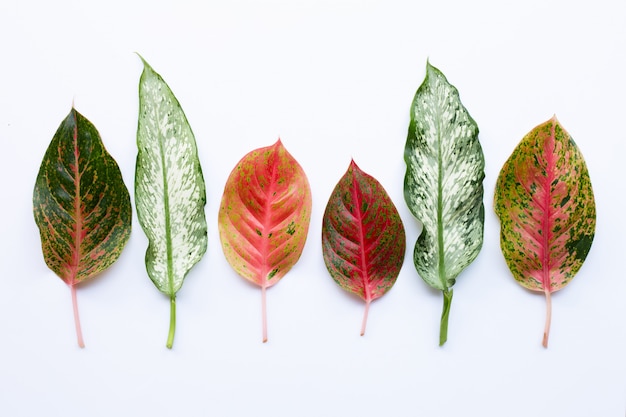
x,y
359,217
267,218
547,212
78,219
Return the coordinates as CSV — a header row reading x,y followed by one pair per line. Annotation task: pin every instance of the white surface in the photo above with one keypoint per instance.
x,y
335,80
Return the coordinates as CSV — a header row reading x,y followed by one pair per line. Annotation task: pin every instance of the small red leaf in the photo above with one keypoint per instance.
x,y
264,216
363,237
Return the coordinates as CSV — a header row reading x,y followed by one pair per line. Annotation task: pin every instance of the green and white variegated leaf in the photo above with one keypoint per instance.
x,y
443,185
169,188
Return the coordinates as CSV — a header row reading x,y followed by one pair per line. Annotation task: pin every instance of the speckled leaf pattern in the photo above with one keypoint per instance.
x,y
547,211
169,189
363,239
81,205
264,217
443,185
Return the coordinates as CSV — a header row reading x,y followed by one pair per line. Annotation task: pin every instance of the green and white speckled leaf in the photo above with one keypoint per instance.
x,y
81,206
547,211
169,189
443,185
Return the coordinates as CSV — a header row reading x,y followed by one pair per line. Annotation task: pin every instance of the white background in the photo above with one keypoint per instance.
x,y
333,79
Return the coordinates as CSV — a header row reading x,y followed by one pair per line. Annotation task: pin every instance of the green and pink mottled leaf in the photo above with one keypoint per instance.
x,y
81,205
443,185
547,211
264,217
169,189
363,239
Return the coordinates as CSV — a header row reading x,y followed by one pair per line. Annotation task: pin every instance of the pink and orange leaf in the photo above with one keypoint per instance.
x,y
363,238
264,217
547,211
81,206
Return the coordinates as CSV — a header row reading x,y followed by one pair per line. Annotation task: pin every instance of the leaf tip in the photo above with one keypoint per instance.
x,y
141,57
277,146
432,72
430,67
146,66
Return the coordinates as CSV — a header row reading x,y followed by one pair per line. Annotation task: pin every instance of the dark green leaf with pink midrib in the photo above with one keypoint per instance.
x,y
81,205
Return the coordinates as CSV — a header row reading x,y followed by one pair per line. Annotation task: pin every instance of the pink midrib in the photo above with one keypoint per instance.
x,y
78,220
363,258
547,212
267,218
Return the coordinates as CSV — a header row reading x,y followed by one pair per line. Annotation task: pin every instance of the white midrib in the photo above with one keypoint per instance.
x,y
440,243
166,211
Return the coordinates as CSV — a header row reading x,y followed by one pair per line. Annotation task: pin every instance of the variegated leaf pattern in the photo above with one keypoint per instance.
x,y
547,211
81,205
363,238
264,217
169,189
443,185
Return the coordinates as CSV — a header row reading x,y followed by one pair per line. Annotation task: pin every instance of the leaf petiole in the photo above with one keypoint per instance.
x,y
546,331
367,309
264,312
170,336
79,332
443,330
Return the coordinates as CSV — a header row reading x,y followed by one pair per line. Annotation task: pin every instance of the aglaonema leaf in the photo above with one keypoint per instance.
x,y
169,189
264,217
443,185
547,211
81,206
363,239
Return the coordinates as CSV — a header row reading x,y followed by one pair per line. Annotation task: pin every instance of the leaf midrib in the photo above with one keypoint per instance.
x,y
166,209
365,278
78,219
545,221
440,242
267,221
